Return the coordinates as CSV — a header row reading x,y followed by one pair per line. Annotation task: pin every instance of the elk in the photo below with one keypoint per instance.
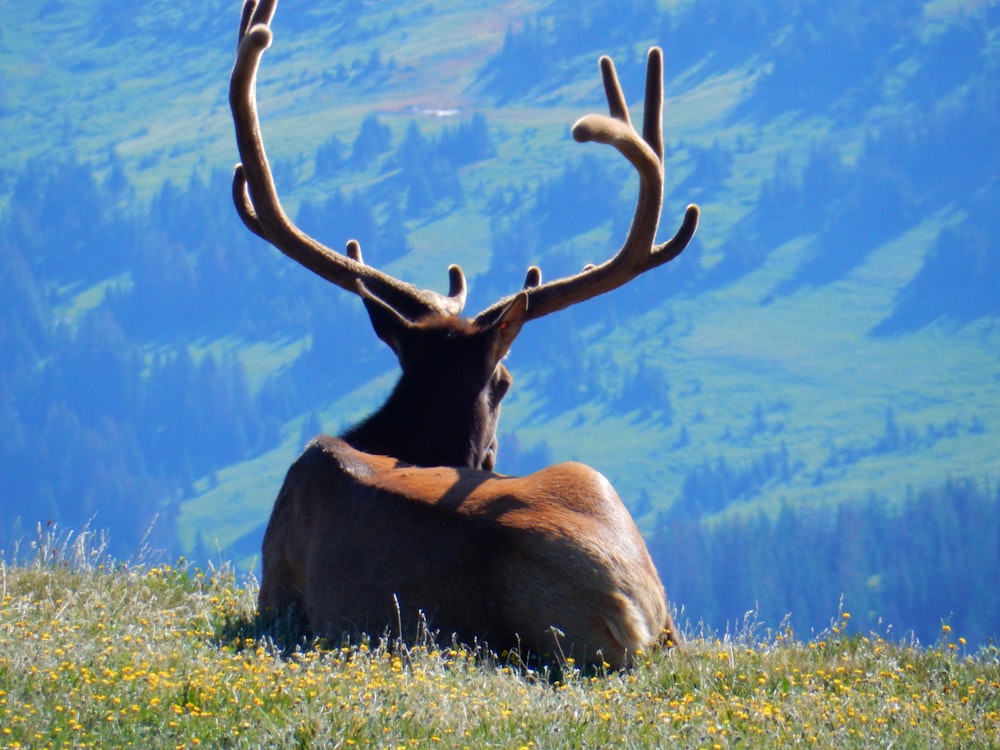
x,y
402,517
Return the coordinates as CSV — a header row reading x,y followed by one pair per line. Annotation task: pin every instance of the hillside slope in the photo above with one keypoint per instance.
x,y
828,342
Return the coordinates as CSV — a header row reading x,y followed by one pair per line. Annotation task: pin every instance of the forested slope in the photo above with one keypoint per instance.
x,y
803,405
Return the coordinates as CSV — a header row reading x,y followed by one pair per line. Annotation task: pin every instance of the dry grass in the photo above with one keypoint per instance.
x,y
103,654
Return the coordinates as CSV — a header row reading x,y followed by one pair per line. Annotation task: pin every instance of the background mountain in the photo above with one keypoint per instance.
x,y
802,407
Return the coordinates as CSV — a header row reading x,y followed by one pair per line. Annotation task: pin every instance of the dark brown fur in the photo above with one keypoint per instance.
x,y
552,562
445,409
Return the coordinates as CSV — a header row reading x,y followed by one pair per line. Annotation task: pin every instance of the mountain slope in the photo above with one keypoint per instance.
x,y
830,338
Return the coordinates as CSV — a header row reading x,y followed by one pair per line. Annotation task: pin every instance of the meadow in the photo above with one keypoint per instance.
x,y
96,652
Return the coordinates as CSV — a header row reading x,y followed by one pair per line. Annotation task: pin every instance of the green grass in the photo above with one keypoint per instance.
x,y
98,653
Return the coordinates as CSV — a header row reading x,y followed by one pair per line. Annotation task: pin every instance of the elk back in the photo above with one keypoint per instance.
x,y
551,562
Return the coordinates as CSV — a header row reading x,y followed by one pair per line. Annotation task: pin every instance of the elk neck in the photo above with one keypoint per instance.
x,y
428,425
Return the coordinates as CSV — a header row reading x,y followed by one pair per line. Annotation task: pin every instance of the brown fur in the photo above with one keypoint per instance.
x,y
551,562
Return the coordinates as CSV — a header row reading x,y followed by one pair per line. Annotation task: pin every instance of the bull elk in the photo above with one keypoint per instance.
x,y
402,517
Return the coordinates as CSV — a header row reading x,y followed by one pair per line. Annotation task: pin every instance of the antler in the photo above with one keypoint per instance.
x,y
257,200
639,253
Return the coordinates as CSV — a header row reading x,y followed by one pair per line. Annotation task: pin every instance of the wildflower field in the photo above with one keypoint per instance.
x,y
95,653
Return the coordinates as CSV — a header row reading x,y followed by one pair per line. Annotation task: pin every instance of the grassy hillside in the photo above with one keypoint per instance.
x,y
110,654
806,358
830,338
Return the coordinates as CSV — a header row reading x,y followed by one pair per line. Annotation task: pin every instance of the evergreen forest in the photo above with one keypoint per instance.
x,y
802,411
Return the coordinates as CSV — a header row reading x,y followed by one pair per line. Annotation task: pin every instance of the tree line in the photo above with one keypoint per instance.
x,y
913,562
107,409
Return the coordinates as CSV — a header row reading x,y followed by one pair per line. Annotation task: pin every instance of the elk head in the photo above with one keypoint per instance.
x,y
445,408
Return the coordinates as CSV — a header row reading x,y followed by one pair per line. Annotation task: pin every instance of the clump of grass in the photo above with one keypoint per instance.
x,y
104,654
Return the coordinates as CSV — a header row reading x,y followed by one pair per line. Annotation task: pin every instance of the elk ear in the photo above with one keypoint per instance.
x,y
502,381
507,326
389,325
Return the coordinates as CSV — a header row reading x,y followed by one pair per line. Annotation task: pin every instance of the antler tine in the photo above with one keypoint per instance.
x,y
652,114
533,278
258,205
638,254
617,106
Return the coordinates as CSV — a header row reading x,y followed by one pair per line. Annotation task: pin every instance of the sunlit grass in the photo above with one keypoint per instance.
x,y
95,653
